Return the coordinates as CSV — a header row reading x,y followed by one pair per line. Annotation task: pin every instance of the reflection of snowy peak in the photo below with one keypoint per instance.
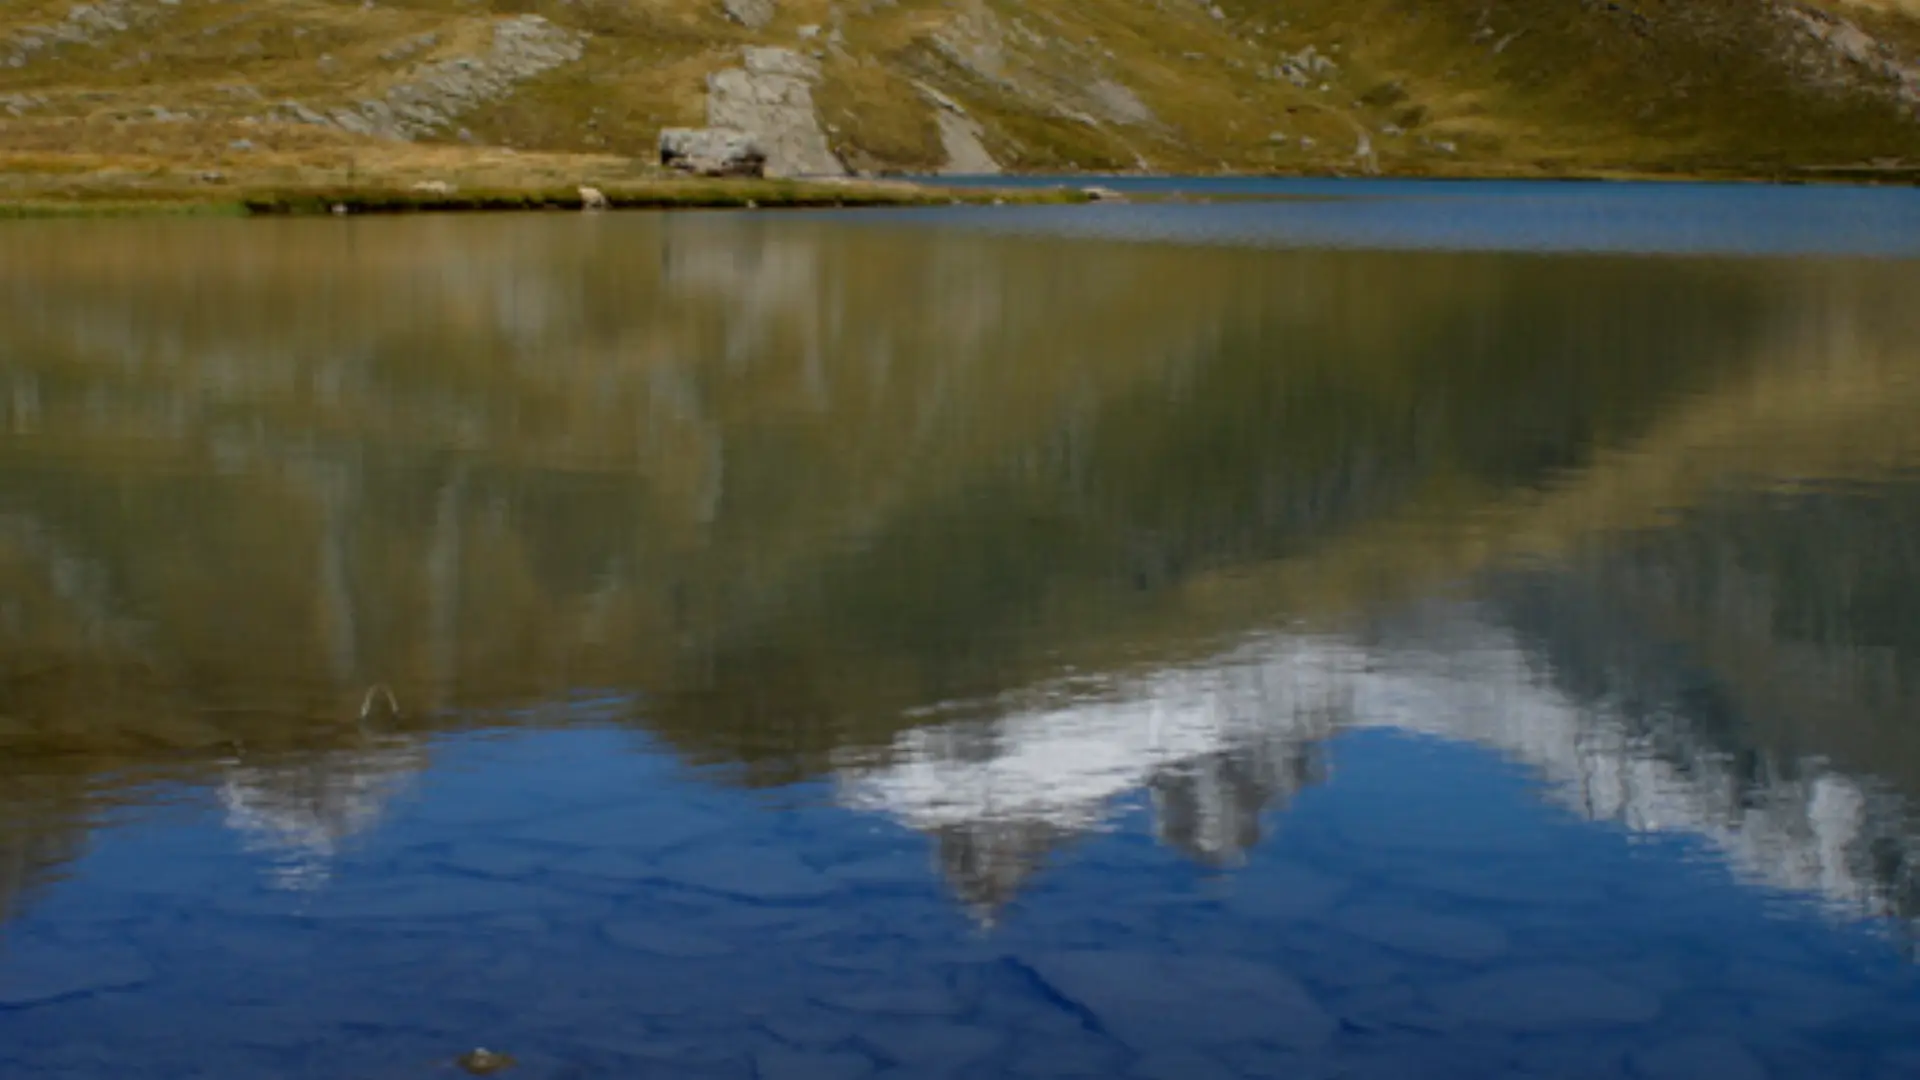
x,y
299,814
1216,744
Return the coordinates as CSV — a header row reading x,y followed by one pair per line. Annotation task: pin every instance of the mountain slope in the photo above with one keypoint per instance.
x,y
1448,86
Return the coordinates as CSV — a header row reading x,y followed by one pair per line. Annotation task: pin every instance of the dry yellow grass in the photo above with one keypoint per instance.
x,y
1097,84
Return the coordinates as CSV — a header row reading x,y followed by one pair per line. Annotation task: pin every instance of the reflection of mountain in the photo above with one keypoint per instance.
x,y
299,813
1220,742
792,481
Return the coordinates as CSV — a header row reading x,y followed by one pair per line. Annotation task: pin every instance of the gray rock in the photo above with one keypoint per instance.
x,y
960,139
712,152
35,974
785,1064
430,95
766,874
1423,933
771,97
752,14
1697,1058
780,62
1152,1001
1545,998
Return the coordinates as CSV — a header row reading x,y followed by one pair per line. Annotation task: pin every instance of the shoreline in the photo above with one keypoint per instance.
x,y
68,196
84,200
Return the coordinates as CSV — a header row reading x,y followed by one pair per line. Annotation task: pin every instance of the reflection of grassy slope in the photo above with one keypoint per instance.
x,y
1695,85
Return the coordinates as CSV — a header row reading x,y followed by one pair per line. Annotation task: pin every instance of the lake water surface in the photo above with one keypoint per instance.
x,y
1455,633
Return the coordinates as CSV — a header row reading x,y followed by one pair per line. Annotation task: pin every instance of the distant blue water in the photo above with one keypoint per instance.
x,y
1491,215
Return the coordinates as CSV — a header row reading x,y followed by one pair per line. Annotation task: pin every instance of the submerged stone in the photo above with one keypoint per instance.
x,y
810,1025
1716,1056
1284,891
1423,933
922,999
785,1064
1546,997
651,937
1057,1054
489,859
1151,1001
435,898
36,974
931,1047
1180,1065
766,874
628,828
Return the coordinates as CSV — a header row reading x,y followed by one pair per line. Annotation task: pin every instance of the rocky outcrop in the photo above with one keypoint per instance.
x,y
1847,53
85,24
433,94
960,135
752,14
712,152
771,98
1010,57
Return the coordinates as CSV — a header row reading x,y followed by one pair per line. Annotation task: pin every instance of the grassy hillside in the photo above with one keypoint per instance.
x,y
202,90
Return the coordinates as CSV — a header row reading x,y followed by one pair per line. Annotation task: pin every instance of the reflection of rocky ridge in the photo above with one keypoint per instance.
x,y
1254,715
299,813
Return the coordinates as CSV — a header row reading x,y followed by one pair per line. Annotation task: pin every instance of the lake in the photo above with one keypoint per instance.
x,y
1399,631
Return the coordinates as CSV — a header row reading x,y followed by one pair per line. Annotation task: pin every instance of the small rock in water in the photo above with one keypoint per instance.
x,y
483,1062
